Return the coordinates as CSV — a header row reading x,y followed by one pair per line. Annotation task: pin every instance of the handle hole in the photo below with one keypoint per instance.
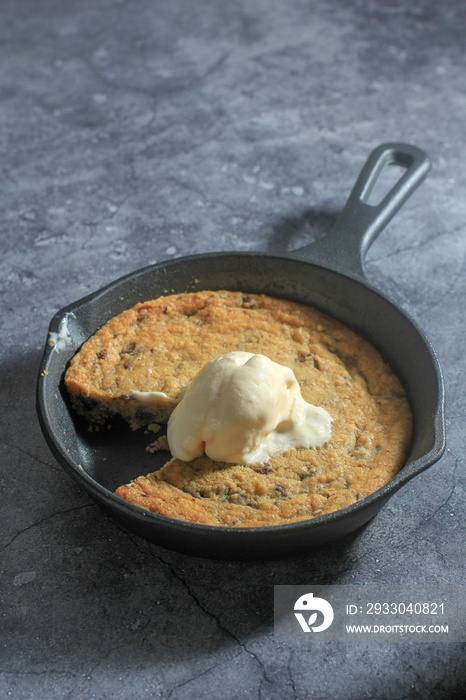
x,y
382,182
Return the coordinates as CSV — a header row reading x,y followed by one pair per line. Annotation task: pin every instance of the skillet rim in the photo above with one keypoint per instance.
x,y
406,473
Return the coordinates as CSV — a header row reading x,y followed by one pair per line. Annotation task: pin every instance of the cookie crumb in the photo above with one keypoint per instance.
x,y
158,445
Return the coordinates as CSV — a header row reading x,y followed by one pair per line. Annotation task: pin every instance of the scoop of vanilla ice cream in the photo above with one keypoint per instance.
x,y
243,408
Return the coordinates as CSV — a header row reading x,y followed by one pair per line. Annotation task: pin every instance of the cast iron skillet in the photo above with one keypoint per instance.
x,y
327,274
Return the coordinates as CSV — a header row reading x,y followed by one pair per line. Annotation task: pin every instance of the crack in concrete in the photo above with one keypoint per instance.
x,y
43,520
32,456
448,498
449,291
227,632
193,678
413,247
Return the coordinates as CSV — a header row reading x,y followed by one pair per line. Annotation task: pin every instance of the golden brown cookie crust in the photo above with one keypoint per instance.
x,y
160,345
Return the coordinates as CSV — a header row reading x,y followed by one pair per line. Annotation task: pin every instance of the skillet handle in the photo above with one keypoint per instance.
x,y
359,224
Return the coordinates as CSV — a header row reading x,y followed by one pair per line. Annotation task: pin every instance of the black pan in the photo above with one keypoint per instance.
x,y
327,274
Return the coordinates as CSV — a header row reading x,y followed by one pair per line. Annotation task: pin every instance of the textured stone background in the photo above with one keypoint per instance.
x,y
135,132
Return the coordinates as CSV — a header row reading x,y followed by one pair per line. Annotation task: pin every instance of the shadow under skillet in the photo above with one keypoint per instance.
x,y
300,228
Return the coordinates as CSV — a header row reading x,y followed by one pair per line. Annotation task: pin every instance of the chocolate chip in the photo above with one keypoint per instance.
x,y
248,303
309,358
264,469
306,475
128,349
282,491
102,354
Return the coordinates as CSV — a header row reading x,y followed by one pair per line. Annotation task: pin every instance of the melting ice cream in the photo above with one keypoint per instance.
x,y
243,408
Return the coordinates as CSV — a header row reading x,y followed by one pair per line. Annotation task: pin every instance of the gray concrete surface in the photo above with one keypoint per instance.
x,y
136,132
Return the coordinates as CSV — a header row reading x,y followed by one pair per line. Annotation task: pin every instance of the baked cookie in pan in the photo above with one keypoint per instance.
x,y
160,346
